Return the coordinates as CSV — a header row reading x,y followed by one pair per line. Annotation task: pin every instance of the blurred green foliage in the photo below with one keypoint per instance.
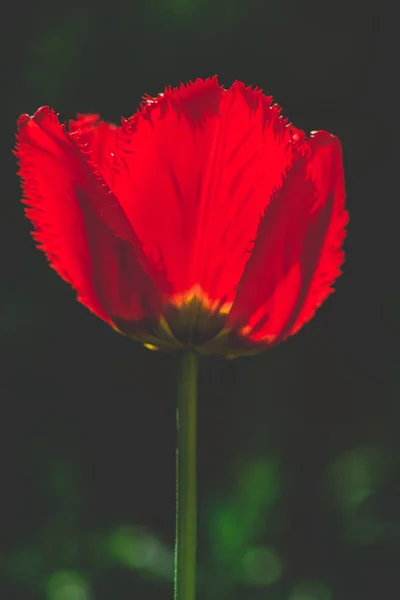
x,y
237,522
67,585
137,549
354,480
310,591
63,558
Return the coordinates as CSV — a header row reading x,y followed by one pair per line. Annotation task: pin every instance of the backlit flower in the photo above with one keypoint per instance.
x,y
205,220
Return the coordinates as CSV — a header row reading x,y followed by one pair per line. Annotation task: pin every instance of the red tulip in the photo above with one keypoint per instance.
x,y
205,220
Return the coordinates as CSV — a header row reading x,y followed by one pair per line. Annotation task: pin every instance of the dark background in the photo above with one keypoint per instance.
x,y
299,487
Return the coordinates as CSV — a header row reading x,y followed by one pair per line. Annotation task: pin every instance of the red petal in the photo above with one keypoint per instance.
x,y
125,290
298,250
97,141
61,194
195,170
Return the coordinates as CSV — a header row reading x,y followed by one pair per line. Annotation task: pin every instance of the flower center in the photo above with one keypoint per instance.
x,y
193,321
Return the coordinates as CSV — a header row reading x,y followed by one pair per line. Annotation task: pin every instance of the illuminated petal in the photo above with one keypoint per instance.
x,y
195,169
298,250
97,142
61,195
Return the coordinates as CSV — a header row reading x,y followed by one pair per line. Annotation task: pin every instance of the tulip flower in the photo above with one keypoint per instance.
x,y
206,223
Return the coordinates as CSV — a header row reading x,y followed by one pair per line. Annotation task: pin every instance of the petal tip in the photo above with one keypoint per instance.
x,y
23,120
44,112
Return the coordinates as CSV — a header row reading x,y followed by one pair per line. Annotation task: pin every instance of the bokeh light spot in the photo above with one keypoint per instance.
x,y
67,585
140,550
356,475
237,524
261,566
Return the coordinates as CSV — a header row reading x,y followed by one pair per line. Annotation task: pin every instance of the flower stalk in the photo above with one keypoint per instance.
x,y
186,484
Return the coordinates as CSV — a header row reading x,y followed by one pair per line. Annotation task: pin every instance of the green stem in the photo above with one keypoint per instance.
x,y
186,485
